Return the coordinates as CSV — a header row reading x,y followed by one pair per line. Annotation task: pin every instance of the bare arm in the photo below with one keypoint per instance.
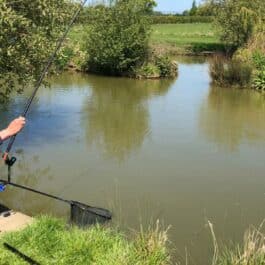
x,y
13,128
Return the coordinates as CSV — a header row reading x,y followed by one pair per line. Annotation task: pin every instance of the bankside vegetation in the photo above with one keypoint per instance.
x,y
28,31
52,241
117,41
117,37
250,252
241,25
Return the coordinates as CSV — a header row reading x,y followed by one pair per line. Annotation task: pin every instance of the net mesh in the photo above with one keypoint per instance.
x,y
84,215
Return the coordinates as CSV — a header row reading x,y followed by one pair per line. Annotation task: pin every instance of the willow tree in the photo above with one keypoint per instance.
x,y
238,19
28,30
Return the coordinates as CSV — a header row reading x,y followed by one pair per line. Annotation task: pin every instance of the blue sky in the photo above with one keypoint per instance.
x,y
173,5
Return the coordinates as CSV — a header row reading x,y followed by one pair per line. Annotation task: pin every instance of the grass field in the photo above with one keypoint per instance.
x,y
195,37
172,39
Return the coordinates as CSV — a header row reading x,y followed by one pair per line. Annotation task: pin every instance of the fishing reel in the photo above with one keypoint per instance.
x,y
9,162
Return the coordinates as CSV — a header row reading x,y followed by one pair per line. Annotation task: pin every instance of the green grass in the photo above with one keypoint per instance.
x,y
51,241
174,39
195,37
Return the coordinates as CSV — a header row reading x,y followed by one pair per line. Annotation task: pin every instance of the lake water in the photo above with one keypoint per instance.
x,y
176,150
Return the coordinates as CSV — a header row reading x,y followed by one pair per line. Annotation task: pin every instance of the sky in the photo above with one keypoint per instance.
x,y
173,5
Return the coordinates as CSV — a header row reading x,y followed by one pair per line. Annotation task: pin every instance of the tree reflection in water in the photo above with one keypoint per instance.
x,y
231,116
117,115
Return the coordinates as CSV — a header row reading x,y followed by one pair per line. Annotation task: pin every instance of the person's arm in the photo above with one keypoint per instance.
x,y
13,128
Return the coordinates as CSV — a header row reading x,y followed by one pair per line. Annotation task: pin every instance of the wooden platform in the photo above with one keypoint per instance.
x,y
12,221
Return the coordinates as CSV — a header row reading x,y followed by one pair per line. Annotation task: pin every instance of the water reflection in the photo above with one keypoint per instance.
x,y
229,117
116,115
28,172
191,60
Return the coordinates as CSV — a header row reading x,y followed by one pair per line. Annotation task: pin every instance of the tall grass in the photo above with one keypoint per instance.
x,y
52,241
252,252
233,72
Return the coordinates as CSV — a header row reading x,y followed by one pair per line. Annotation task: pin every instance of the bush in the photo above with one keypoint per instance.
x,y
169,19
29,30
117,38
259,76
158,66
259,60
230,72
259,80
238,19
166,67
148,71
64,58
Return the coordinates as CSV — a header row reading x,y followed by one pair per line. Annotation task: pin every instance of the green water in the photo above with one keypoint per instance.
x,y
180,151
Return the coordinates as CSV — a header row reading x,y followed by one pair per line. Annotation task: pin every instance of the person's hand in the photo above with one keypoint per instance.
x,y
13,128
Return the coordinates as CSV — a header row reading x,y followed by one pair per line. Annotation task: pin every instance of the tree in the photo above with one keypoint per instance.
x,y
117,38
28,32
206,8
193,8
237,19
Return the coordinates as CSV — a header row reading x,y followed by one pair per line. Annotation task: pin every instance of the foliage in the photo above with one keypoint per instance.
x,y
259,60
206,8
166,67
28,32
238,19
64,57
259,78
148,71
158,66
170,19
193,9
230,72
51,241
117,38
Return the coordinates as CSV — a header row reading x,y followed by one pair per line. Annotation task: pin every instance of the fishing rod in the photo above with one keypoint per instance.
x,y
81,214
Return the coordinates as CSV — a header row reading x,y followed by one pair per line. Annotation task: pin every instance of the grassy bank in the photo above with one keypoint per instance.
x,y
186,38
51,241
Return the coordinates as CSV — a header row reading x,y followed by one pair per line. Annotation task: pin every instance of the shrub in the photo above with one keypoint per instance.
x,y
166,67
148,70
259,60
238,19
117,38
157,66
64,58
259,80
230,72
28,33
259,76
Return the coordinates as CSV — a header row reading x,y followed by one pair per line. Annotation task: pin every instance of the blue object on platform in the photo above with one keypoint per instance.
x,y
2,187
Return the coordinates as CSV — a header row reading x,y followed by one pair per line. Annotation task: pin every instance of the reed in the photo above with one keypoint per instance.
x,y
230,72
